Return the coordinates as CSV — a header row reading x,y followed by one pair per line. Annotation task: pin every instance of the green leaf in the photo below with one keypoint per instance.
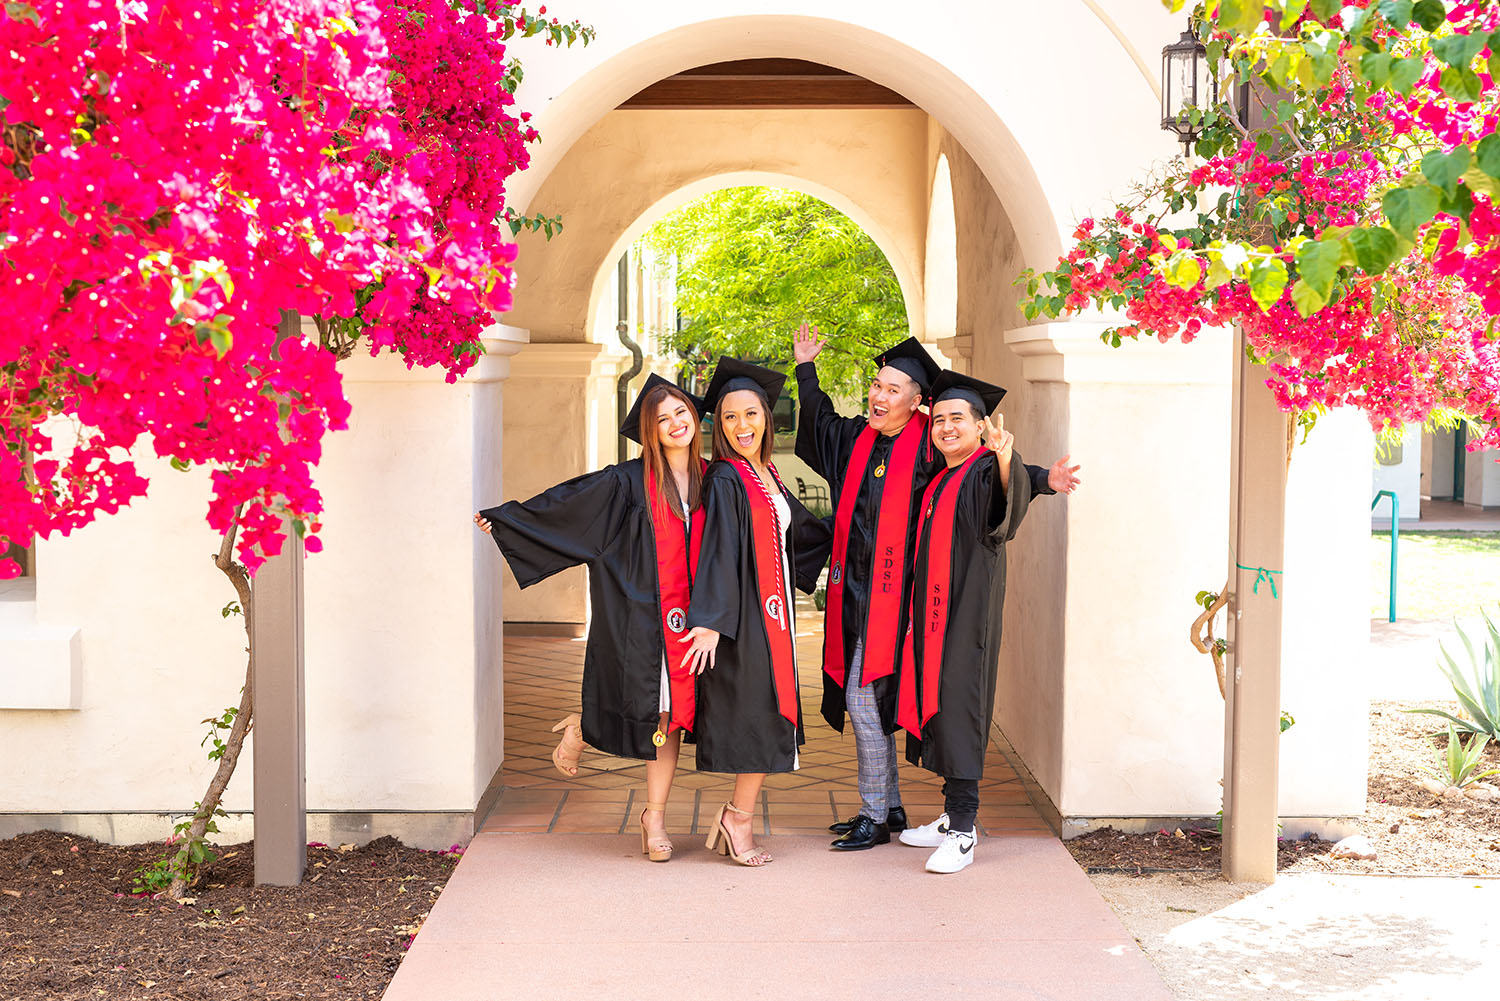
x,y
1459,50
1324,10
1461,84
1183,270
1374,248
1429,14
1307,299
1405,73
23,12
1375,67
1488,158
222,339
1290,11
1407,209
1268,278
1318,264
1397,12
1444,169
181,465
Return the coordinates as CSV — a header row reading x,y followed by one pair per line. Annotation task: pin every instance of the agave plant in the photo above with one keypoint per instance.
x,y
1480,694
1457,766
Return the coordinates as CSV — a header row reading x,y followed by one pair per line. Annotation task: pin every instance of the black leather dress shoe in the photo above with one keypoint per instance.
x,y
895,822
864,834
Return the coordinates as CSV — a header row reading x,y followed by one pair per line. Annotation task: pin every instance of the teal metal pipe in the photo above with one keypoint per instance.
x,y
1395,536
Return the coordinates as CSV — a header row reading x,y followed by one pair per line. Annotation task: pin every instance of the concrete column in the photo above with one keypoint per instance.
x,y
1252,705
562,394
276,630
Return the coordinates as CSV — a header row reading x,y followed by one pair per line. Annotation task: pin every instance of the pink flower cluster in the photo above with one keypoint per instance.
x,y
1423,348
178,172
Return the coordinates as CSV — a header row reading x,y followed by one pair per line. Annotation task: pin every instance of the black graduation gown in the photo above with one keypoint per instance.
x,y
739,727
953,742
825,441
603,521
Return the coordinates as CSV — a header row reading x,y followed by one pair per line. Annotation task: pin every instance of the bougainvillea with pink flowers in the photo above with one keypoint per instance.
x,y
1341,210
179,172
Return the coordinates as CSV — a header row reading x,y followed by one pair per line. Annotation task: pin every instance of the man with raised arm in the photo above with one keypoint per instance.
x,y
877,468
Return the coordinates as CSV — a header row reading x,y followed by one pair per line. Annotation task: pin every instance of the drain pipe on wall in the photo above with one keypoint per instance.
x,y
623,329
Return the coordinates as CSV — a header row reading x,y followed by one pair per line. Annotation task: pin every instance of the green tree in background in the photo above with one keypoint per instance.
x,y
753,263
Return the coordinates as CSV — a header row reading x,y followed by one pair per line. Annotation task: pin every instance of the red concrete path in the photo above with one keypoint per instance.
x,y
553,897
538,916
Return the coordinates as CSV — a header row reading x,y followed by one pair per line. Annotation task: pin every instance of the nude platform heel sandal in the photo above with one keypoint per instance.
x,y
720,841
654,851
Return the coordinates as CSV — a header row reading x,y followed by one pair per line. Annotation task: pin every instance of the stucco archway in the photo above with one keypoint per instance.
x,y
906,274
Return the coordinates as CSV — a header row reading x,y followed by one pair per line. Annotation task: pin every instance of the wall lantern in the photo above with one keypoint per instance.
x,y
1185,84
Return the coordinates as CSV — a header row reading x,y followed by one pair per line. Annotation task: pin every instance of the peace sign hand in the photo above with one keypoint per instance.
x,y
806,343
999,440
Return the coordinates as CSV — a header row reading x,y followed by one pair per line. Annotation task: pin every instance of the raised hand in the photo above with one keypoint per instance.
x,y
700,656
484,525
806,343
1062,477
999,440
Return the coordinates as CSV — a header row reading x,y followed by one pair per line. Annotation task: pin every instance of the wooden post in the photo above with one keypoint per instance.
x,y
1252,703
280,758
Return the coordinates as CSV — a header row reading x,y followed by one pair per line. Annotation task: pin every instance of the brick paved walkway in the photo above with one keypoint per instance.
x,y
541,687
553,899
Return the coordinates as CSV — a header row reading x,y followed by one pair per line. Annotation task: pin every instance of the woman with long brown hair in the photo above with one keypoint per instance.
x,y
758,542
638,527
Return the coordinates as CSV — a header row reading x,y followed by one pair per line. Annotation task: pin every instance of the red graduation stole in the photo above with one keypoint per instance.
x,y
676,563
931,621
883,619
766,539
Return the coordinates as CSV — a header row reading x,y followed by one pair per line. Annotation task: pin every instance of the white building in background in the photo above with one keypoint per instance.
x,y
967,142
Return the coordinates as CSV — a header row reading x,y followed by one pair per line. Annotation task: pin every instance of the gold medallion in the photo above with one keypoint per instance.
x,y
880,471
658,738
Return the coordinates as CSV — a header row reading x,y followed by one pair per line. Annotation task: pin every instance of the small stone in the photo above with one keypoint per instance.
x,y
1483,795
1488,786
1452,794
1395,828
1433,786
1355,846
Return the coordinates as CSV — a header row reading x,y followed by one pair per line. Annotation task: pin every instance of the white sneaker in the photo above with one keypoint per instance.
x,y
955,853
928,835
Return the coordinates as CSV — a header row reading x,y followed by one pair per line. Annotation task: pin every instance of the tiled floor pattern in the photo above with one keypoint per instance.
x,y
542,678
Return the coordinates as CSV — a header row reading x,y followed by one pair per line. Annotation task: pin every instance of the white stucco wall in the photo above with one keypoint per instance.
x,y
402,647
1482,479
1403,477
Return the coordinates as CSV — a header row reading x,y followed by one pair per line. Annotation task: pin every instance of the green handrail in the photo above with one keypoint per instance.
x,y
1395,535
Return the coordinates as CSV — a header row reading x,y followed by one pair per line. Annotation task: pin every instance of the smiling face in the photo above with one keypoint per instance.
x,y
741,424
956,430
676,424
894,398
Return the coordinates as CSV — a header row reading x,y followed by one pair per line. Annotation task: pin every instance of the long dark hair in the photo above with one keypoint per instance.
x,y
654,454
722,447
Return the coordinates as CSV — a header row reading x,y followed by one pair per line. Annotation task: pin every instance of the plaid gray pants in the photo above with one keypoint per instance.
x,y
875,749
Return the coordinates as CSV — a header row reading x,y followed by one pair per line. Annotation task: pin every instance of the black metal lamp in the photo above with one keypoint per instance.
x,y
1185,84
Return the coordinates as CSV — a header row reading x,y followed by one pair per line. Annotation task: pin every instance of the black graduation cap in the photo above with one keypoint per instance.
x,y
911,358
983,395
732,375
631,427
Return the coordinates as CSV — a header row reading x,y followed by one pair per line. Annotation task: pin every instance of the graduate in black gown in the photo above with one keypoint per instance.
x,y
877,467
946,682
758,543
638,527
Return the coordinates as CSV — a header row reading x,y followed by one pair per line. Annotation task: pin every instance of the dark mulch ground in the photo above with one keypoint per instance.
x,y
69,928
1176,850
1414,832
